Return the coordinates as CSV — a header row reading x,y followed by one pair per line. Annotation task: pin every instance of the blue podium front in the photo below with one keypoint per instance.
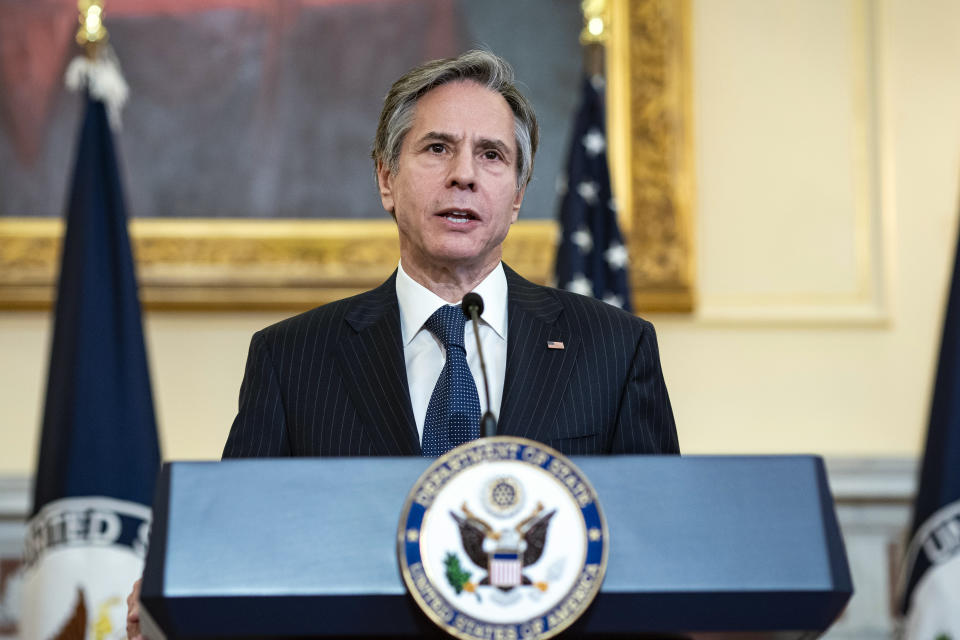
x,y
699,546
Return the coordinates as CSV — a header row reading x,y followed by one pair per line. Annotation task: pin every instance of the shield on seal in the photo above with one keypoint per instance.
x,y
505,567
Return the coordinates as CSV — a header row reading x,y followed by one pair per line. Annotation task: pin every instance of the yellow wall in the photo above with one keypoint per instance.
x,y
828,142
196,363
828,177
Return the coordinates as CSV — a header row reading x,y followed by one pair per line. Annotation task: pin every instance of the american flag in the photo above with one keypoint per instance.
x,y
591,258
505,569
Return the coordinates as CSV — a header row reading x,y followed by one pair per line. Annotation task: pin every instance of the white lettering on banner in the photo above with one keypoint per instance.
x,y
143,536
944,539
88,521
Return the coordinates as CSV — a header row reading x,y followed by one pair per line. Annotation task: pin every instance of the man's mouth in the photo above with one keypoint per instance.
x,y
458,216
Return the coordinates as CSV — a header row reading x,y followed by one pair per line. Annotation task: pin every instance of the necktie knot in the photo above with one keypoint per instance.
x,y
447,323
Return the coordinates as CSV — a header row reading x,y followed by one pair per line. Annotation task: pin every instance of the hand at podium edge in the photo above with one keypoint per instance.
x,y
133,613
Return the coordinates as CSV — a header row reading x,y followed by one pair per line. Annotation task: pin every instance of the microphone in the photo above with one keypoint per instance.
x,y
472,306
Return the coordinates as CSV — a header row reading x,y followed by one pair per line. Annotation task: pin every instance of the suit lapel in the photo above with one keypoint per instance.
x,y
371,361
536,376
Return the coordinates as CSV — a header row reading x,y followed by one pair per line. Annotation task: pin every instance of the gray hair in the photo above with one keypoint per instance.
x,y
478,66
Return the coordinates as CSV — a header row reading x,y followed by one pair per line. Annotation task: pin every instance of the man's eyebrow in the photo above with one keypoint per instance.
x,y
439,136
493,143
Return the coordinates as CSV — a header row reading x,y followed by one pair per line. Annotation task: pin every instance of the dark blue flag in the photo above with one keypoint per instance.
x,y
930,583
99,453
591,258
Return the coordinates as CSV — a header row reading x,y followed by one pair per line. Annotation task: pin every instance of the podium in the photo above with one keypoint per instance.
x,y
699,547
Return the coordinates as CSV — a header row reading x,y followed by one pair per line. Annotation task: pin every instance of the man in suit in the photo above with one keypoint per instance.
x,y
453,155
374,374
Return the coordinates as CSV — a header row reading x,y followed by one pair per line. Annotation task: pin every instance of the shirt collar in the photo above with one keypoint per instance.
x,y
417,303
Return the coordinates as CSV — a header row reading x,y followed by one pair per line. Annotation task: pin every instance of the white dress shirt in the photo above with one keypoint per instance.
x,y
424,354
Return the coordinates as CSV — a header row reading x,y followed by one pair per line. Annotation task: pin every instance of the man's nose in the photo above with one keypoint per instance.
x,y
462,171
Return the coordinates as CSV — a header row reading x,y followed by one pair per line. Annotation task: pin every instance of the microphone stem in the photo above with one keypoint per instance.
x,y
488,422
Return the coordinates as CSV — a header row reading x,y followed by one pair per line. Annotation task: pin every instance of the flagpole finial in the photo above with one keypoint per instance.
x,y
91,34
98,71
595,22
596,25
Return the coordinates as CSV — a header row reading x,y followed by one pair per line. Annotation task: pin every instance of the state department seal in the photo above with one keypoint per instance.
x,y
503,538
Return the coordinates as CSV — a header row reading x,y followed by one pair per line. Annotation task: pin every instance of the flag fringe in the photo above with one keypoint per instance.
x,y
102,77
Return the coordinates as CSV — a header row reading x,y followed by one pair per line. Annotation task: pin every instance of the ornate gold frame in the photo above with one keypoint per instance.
x,y
286,264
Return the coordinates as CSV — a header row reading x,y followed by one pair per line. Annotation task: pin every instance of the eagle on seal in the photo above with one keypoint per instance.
x,y
505,553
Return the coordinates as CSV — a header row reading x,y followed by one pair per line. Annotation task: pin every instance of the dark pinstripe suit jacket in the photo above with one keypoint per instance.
x,y
332,381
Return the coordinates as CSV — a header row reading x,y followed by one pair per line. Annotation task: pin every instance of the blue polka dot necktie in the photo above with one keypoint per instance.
x,y
453,415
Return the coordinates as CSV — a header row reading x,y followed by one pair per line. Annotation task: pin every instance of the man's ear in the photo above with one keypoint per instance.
x,y
385,182
517,201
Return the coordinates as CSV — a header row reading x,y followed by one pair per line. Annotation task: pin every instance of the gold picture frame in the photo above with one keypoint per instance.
x,y
297,264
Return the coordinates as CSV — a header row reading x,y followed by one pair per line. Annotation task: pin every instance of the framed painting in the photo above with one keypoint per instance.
x,y
245,145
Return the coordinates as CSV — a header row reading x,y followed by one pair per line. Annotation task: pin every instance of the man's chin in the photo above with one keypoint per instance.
x,y
458,248
459,258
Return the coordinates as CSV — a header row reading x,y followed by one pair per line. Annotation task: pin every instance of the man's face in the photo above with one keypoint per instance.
x,y
454,194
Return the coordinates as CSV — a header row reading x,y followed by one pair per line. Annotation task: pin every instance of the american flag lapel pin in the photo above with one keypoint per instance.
x,y
554,344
